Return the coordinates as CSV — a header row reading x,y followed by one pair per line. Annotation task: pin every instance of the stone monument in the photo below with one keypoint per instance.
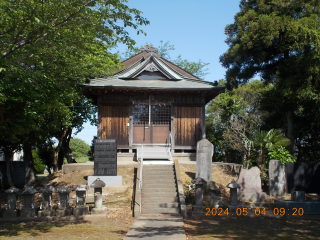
x,y
64,207
277,179
11,211
46,203
105,163
81,208
250,185
28,202
204,160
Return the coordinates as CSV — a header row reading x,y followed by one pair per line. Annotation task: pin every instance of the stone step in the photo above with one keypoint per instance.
x,y
159,185
161,205
163,181
159,199
156,178
162,189
157,167
159,210
151,171
159,194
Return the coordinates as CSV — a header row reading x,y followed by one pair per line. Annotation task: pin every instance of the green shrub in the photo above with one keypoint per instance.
x,y
281,154
38,164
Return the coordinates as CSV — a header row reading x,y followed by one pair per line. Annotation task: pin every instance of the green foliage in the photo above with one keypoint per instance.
x,y
232,117
39,165
90,153
79,147
281,154
279,40
49,48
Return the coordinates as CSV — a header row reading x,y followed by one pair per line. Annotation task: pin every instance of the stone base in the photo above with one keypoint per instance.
x,y
108,180
309,207
79,211
10,213
252,197
28,213
46,213
198,211
234,208
98,211
63,212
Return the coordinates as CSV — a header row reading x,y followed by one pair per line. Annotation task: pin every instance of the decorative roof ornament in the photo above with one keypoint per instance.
x,y
149,48
151,68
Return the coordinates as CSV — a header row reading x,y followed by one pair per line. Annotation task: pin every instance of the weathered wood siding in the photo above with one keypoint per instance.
x,y
187,125
114,121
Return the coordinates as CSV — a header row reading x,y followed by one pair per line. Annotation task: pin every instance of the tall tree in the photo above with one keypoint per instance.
x,y
279,40
48,48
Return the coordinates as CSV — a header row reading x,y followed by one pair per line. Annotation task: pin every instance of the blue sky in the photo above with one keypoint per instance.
x,y
195,28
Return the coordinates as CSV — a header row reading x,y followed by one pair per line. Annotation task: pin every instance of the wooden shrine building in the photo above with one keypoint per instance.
x,y
153,102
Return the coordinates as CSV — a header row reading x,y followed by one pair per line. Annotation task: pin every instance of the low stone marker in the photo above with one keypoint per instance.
x,y
81,208
233,185
198,209
250,185
46,204
64,207
11,211
28,202
204,160
98,199
277,179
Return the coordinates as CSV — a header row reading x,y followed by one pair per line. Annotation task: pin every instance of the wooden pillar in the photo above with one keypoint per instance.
x,y
99,133
172,127
130,128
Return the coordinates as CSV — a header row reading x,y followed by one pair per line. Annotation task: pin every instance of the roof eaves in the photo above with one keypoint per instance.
x,y
168,70
179,67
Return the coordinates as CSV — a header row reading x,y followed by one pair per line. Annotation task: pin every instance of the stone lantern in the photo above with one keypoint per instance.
x,y
233,185
46,203
64,207
81,208
198,209
11,211
28,202
98,198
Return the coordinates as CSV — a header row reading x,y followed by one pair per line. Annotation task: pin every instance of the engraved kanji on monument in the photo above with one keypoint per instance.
x,y
105,157
204,159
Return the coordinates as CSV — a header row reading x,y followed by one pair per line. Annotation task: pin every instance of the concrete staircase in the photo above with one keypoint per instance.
x,y
159,190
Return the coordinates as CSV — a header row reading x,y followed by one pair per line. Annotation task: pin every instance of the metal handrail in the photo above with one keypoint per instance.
x,y
140,178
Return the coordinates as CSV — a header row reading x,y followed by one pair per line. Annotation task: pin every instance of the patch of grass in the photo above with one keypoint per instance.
x,y
82,159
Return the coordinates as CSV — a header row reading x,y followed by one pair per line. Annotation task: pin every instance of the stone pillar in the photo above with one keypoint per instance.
x,y
81,208
233,196
277,179
98,198
11,211
46,203
63,205
204,160
28,202
198,209
298,196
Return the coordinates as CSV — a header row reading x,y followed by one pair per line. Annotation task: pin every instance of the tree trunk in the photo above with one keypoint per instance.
x,y
66,146
65,151
290,134
8,155
29,166
56,152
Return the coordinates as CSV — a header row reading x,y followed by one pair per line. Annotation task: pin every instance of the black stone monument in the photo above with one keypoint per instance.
x,y
105,157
